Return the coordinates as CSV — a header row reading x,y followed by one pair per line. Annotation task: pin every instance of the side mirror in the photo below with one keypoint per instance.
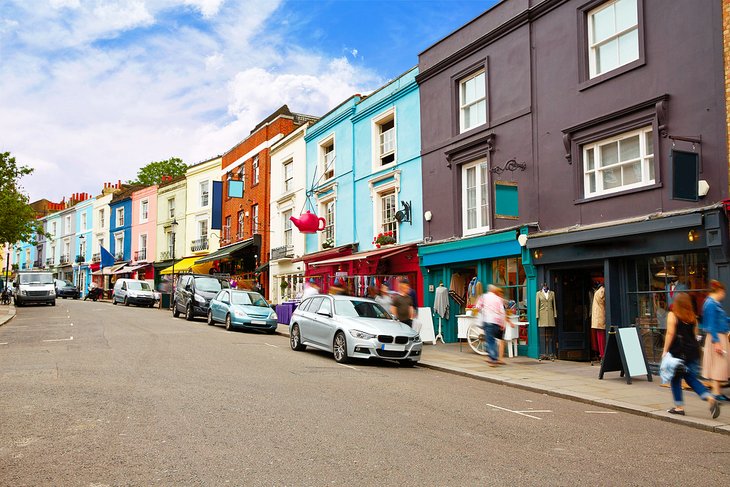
x,y
188,287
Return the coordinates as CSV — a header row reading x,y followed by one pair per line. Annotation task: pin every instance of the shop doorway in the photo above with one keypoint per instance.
x,y
574,290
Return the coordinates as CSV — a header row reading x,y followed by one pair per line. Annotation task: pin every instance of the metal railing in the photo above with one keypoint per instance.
x,y
65,258
285,251
96,257
119,256
140,254
38,264
199,244
165,255
49,261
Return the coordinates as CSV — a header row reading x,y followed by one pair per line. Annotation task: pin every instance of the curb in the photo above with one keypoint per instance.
x,y
10,315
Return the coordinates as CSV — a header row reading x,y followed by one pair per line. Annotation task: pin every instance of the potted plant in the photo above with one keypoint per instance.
x,y
382,239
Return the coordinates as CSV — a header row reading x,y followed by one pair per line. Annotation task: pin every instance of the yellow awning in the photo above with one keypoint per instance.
x,y
188,265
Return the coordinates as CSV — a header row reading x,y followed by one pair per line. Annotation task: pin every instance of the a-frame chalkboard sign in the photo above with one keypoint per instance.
x,y
624,354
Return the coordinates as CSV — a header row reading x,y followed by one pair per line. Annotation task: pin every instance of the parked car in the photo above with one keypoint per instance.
x,y
351,327
34,287
242,309
132,291
66,289
193,294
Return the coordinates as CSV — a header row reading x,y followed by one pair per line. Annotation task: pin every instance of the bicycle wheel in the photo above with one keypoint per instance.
x,y
477,340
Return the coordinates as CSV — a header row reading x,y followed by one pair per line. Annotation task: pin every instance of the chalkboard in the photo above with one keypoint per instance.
x,y
624,354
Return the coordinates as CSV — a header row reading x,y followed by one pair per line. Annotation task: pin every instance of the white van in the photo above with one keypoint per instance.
x,y
132,291
34,287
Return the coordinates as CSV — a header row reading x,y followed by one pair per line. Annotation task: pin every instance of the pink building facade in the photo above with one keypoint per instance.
x,y
144,231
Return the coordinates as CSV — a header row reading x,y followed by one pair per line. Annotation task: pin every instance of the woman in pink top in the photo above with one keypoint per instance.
x,y
491,312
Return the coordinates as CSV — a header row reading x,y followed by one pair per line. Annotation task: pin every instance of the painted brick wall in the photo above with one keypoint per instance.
x,y
726,56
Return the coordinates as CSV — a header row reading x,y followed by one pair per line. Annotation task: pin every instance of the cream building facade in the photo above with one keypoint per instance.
x,y
171,205
199,240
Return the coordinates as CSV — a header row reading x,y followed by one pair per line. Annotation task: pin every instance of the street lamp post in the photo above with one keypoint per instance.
x,y
82,239
7,264
173,228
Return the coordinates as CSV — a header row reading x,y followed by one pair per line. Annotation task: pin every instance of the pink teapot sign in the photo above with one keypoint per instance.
x,y
308,222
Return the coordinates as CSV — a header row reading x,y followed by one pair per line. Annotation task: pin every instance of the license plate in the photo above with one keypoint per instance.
x,y
258,322
395,348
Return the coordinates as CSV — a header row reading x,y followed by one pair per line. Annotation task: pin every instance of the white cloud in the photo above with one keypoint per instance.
x,y
82,114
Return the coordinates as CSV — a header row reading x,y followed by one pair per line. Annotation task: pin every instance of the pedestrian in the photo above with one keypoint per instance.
x,y
715,363
681,342
312,289
402,305
372,292
338,287
491,311
383,297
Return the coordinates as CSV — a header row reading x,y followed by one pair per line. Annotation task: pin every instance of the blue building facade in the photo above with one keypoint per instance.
x,y
364,168
120,226
83,245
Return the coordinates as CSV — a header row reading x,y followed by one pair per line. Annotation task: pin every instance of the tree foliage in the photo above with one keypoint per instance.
x,y
152,173
17,218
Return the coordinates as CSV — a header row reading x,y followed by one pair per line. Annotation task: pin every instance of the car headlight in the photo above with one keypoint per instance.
x,y
362,335
132,294
52,292
416,339
22,292
239,314
199,299
273,316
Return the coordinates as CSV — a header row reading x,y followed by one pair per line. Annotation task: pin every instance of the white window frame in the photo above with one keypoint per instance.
x,y
118,244
102,219
330,223
392,226
171,208
144,210
120,217
594,45
82,223
327,159
255,219
481,185
378,155
288,181
255,171
68,224
82,248
143,244
463,106
204,193
53,225
287,232
645,158
100,243
199,226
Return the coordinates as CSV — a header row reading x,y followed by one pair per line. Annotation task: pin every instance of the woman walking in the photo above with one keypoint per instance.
x,y
681,342
715,363
491,308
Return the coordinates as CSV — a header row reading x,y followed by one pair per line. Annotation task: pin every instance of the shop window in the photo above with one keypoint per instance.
x,y
506,201
613,36
475,197
653,283
510,276
473,101
619,163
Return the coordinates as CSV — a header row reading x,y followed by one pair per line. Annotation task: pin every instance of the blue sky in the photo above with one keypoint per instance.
x,y
92,90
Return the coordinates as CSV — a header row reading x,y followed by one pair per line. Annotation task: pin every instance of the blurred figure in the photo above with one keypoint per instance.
x,y
338,287
383,297
312,289
402,306
715,363
491,309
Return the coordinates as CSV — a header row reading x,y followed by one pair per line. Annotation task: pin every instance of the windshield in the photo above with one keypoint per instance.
x,y
251,299
36,278
68,284
138,286
361,309
210,284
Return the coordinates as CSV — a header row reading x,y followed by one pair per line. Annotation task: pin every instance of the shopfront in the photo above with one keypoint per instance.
x,y
287,277
465,267
239,261
641,265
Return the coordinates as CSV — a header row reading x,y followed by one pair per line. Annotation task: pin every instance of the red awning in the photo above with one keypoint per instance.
x,y
378,254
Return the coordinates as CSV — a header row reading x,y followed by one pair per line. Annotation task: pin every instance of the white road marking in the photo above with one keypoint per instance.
x,y
60,340
4,343
535,411
270,345
515,412
601,412
348,366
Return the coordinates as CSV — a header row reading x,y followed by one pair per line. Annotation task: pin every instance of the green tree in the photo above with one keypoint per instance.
x,y
152,173
17,218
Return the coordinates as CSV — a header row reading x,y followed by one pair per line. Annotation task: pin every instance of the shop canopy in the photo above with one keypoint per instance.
x,y
226,252
129,268
188,265
377,254
108,271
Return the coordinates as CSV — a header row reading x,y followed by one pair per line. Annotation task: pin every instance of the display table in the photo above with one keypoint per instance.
x,y
463,323
285,310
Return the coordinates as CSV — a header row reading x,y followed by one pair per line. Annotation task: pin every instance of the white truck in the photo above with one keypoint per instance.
x,y
34,287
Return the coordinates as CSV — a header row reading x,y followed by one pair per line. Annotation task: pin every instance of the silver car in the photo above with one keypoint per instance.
x,y
352,327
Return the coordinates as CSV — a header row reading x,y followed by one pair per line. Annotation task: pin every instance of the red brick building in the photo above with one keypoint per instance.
x,y
245,217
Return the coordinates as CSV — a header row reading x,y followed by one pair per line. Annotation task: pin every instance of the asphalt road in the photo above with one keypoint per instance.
x,y
140,398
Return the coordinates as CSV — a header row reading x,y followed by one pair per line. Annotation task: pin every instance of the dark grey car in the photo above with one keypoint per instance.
x,y
193,294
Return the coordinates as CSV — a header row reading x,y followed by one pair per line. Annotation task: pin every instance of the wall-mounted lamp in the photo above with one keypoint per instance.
x,y
428,216
522,239
703,187
537,254
693,235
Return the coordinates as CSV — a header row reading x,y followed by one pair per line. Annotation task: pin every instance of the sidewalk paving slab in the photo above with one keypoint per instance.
x,y
6,314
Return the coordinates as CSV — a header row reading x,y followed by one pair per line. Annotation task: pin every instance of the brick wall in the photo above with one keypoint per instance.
x,y
726,56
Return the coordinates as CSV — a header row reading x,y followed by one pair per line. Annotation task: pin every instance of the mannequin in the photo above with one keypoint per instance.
x,y
546,314
598,318
441,307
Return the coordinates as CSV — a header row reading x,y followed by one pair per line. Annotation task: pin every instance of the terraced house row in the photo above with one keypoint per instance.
x,y
568,142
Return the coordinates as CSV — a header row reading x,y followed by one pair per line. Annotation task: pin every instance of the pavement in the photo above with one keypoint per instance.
x,y
7,313
576,381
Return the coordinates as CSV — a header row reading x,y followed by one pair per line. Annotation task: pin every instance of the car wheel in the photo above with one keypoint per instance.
x,y
210,318
53,303
189,312
175,311
114,301
339,348
295,339
64,297
229,325
407,363
126,302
